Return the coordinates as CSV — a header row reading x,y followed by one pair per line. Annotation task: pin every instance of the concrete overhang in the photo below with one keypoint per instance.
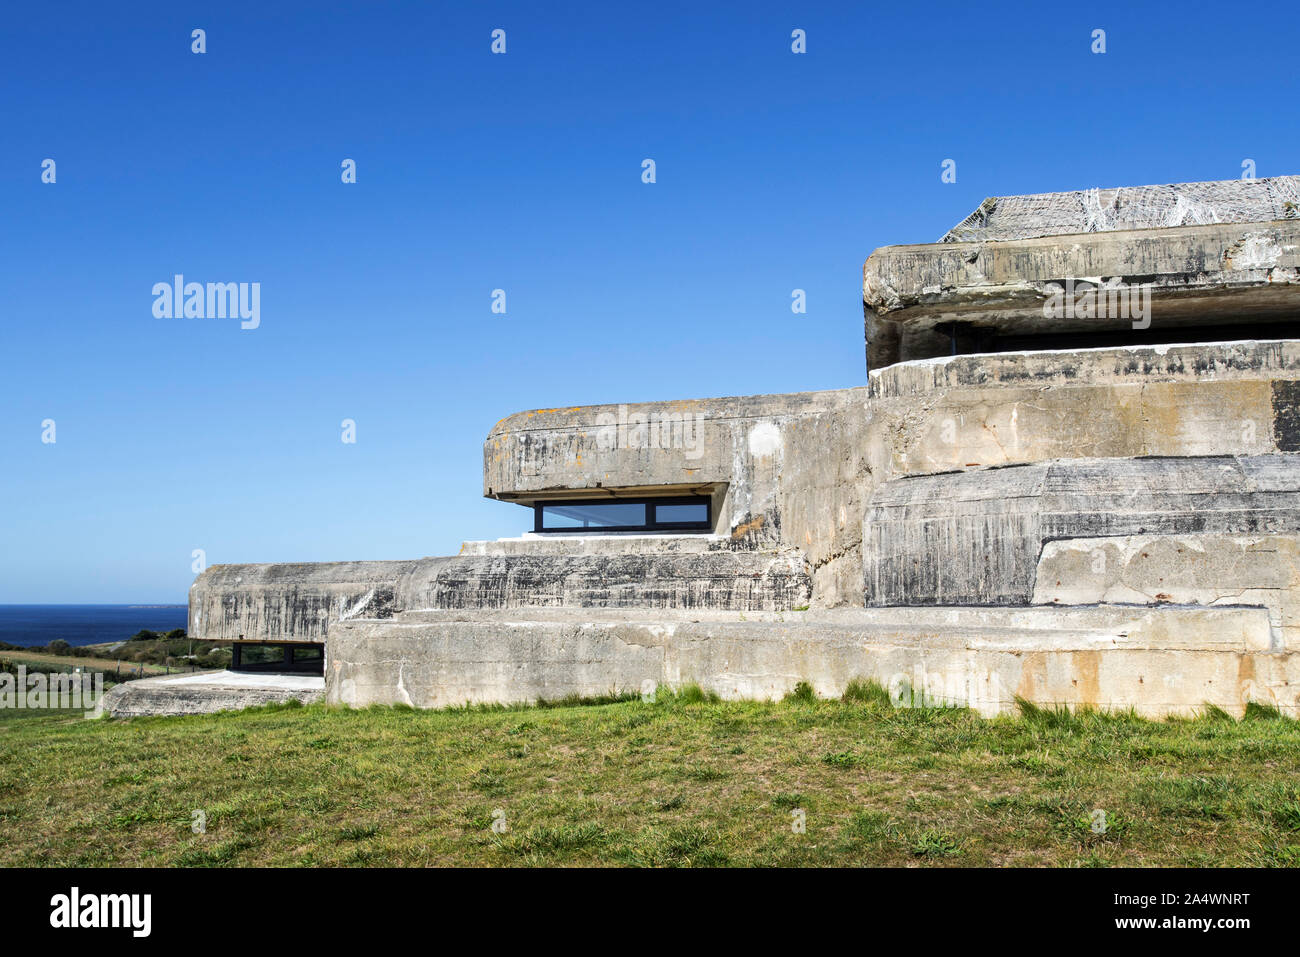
x,y
937,299
643,448
602,493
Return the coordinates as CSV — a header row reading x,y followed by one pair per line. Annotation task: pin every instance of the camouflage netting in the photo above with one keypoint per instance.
x,y
1130,207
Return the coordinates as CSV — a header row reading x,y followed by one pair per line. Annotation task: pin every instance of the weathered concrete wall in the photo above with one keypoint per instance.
x,y
1164,660
288,602
798,471
740,444
299,602
721,578
1235,398
822,491
1198,275
1195,569
975,537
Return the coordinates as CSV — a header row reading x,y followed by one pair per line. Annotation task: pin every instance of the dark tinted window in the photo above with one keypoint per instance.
x,y
693,512
261,654
594,515
644,515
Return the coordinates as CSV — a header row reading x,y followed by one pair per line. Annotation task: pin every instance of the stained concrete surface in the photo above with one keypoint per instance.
x,y
208,692
1169,659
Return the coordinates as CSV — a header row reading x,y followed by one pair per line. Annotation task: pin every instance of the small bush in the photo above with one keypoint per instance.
x,y
1287,815
932,843
1047,716
841,759
866,692
694,694
359,832
1255,711
802,694
1213,713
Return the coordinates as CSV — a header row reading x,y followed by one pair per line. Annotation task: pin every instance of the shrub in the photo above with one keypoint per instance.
x,y
802,694
866,692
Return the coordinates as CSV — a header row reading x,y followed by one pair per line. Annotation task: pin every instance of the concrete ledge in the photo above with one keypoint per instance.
x,y
723,578
208,693
599,543
295,603
1098,368
937,415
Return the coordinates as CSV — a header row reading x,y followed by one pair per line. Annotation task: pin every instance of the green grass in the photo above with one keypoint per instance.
x,y
684,780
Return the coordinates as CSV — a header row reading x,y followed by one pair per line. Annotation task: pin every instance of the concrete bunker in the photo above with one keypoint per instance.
x,y
1062,501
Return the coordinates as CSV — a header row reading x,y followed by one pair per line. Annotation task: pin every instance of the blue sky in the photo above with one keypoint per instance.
x,y
521,171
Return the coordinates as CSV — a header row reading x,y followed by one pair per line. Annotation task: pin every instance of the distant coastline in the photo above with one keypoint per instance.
x,y
85,624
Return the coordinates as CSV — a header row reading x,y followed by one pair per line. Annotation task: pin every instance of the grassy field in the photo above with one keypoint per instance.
x,y
682,781
68,662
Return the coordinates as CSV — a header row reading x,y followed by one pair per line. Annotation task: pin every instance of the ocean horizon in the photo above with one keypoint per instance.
x,y
29,625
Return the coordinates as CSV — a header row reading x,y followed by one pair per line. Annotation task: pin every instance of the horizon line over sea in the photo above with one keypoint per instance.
x,y
85,624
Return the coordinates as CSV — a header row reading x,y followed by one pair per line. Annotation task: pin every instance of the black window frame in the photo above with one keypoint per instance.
x,y
652,523
288,663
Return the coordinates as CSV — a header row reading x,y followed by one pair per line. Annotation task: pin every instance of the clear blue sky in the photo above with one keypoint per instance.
x,y
520,171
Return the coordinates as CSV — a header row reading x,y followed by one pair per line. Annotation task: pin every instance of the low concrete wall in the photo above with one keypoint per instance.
x,y
1164,660
208,693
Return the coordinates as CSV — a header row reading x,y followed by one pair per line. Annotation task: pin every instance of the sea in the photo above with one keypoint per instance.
x,y
85,624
